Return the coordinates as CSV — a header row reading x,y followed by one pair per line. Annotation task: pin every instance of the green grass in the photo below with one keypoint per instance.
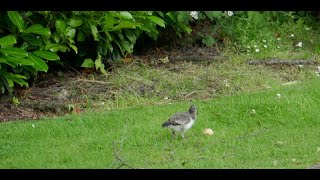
x,y
284,133
190,81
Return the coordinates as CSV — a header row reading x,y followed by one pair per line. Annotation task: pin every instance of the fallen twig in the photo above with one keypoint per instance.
x,y
93,81
117,156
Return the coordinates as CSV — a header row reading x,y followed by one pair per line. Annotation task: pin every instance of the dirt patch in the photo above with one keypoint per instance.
x,y
58,93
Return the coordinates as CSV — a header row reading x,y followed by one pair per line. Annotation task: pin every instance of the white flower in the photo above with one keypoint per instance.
x,y
279,143
275,163
165,98
208,131
194,14
299,44
278,96
33,125
230,13
292,35
278,47
253,111
300,66
278,39
265,46
257,50
263,40
102,103
255,46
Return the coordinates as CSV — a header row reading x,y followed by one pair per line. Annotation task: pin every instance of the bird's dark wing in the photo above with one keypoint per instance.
x,y
180,119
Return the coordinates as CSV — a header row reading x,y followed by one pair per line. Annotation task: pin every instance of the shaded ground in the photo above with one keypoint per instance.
x,y
58,93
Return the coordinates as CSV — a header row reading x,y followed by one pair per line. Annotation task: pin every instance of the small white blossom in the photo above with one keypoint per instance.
x,y
263,40
278,47
253,111
300,66
194,14
292,35
299,44
102,103
278,39
257,50
165,98
230,13
255,46
265,46
33,125
278,96
275,163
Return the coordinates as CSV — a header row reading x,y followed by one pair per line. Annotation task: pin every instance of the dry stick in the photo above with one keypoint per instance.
x,y
93,81
115,153
189,94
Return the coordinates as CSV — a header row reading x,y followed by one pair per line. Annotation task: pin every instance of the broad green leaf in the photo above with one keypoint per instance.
x,y
32,39
131,36
25,45
94,30
56,37
38,29
88,63
127,24
8,40
172,17
120,46
56,48
116,55
98,63
17,78
127,46
109,21
126,15
19,60
157,20
160,13
185,28
2,60
74,48
144,28
75,22
109,37
47,55
39,64
213,14
61,27
70,32
9,80
17,52
17,20
81,36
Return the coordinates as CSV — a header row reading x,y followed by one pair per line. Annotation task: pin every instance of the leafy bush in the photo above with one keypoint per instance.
x,y
29,40
22,52
254,31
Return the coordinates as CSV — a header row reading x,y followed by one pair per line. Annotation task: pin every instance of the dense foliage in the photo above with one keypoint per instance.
x,y
31,41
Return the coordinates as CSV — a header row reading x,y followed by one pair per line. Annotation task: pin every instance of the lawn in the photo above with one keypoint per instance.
x,y
251,130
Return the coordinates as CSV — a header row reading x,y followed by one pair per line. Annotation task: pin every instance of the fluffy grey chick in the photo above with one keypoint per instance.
x,y
181,122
